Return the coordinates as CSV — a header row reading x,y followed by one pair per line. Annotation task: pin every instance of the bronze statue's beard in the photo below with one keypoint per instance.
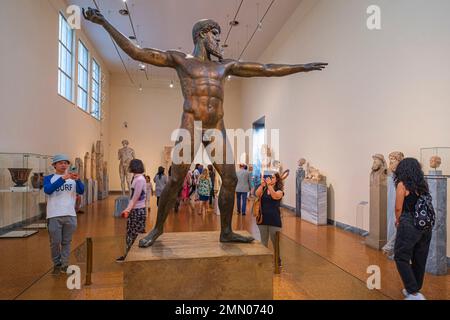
x,y
215,51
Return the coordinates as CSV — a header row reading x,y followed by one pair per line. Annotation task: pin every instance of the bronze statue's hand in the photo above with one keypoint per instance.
x,y
315,66
94,16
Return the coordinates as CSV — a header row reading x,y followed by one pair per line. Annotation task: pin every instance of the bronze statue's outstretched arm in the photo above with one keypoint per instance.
x,y
251,69
152,56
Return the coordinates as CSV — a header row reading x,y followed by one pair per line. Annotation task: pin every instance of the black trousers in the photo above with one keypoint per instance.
x,y
411,252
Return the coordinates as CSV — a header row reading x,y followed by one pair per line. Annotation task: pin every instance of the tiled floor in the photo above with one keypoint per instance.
x,y
318,262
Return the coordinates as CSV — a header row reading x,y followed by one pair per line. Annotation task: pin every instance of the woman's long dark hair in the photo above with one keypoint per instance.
x,y
279,185
160,172
409,171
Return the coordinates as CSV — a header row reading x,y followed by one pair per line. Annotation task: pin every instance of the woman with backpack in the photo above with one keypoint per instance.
x,y
414,221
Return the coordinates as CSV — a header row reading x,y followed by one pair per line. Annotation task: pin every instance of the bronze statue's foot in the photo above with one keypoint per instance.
x,y
150,239
234,237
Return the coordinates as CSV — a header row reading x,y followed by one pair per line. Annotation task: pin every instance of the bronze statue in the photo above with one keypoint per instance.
x,y
202,84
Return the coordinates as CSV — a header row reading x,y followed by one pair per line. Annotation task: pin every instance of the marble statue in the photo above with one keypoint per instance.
x,y
87,166
99,154
299,177
394,159
435,162
313,175
378,203
93,163
79,166
266,158
379,169
202,78
125,155
167,156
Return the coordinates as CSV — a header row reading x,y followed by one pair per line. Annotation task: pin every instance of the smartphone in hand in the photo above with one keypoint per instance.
x,y
73,170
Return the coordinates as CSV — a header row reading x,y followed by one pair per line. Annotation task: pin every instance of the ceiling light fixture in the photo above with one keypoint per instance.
x,y
171,84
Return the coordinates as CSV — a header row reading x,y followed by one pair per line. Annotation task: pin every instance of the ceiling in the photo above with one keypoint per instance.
x,y
167,24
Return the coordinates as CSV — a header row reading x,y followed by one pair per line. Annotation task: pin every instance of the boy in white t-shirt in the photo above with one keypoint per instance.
x,y
61,189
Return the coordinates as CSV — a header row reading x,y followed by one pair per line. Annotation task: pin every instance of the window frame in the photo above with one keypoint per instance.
x,y
62,23
97,99
87,71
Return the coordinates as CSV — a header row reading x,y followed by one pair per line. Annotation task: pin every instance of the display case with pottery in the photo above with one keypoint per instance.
x,y
22,199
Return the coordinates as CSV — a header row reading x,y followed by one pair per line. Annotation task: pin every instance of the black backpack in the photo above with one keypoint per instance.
x,y
424,215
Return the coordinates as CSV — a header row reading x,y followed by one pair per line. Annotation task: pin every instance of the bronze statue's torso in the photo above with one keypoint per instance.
x,y
202,84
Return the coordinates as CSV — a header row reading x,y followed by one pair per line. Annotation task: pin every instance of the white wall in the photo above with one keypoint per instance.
x,y
34,118
382,91
152,115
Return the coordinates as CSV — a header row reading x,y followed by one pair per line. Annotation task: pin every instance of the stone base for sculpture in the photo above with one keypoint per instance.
x,y
378,219
102,195
314,202
88,185
196,266
391,230
437,256
120,204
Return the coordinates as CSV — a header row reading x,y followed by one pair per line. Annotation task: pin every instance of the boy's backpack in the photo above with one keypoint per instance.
x,y
424,215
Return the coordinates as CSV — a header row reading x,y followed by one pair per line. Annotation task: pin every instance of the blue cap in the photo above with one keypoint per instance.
x,y
60,157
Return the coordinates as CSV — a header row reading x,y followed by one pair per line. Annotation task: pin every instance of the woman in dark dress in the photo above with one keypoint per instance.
x,y
411,244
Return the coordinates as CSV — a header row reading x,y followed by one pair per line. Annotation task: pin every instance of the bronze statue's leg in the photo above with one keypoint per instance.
x,y
227,172
226,203
170,193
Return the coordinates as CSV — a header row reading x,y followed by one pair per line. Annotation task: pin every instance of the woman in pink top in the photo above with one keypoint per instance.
x,y
186,187
135,212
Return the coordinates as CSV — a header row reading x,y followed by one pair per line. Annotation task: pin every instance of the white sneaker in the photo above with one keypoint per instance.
x,y
405,293
417,296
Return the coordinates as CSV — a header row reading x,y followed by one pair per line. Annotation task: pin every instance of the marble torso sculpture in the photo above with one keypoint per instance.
x,y
202,80
313,175
79,166
125,155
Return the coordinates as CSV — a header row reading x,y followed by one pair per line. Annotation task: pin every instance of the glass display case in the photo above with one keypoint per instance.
x,y
22,199
435,160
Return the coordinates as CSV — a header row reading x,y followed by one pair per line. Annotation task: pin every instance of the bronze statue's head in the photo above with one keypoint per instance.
x,y
209,31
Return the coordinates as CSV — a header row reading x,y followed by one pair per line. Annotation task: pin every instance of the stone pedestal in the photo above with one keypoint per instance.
x,y
196,266
120,204
299,177
88,186
314,202
378,219
390,216
437,256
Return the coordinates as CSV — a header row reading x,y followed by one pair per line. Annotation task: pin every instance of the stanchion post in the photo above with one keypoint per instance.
x,y
276,255
89,261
